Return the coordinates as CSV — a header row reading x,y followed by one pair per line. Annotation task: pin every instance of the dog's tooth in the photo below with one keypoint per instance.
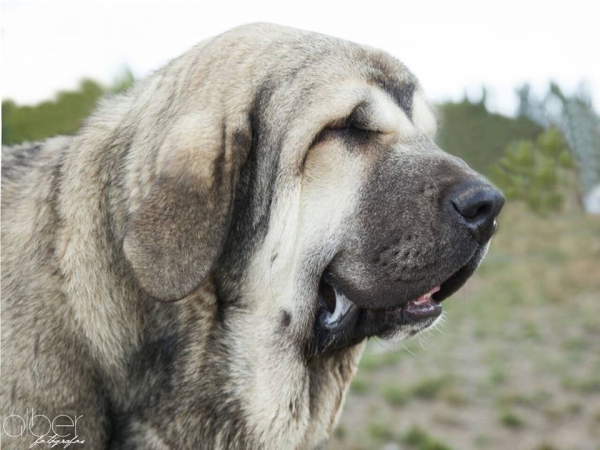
x,y
342,305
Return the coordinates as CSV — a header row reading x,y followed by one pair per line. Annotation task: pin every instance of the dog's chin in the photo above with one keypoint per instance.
x,y
341,323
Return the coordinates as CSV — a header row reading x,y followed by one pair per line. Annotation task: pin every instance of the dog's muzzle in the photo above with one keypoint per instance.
x,y
405,298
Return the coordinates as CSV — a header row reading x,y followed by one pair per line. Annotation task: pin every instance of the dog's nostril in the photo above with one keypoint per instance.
x,y
474,211
477,204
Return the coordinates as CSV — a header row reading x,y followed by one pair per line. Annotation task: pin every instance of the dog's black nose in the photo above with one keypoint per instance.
x,y
476,204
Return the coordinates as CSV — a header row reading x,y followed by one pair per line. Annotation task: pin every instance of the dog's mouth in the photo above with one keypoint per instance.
x,y
342,323
340,311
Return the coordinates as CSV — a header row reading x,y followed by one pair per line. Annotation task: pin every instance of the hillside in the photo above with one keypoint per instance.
x,y
478,136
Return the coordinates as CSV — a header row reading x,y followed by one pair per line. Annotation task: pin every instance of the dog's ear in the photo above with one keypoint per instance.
x,y
174,238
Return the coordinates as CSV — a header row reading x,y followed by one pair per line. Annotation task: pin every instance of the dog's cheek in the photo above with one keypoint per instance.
x,y
333,179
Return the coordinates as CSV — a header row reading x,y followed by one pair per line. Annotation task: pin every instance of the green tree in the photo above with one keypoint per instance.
x,y
62,116
470,131
541,173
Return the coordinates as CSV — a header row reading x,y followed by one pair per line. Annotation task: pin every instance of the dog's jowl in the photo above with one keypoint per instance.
x,y
201,265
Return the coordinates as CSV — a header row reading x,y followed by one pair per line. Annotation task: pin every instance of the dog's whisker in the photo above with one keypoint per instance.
x,y
408,350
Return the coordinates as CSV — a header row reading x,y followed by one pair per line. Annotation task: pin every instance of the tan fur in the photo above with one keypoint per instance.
x,y
84,230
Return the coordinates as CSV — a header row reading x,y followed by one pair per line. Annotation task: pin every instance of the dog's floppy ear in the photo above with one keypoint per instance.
x,y
174,238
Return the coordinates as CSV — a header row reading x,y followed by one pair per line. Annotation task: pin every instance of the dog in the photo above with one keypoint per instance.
x,y
201,264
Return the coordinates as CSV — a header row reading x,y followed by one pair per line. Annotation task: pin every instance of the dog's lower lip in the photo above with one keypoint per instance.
x,y
338,306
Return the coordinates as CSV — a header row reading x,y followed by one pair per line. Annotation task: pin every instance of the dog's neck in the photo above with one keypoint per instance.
x,y
289,401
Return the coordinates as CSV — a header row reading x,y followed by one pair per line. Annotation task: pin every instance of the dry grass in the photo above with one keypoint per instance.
x,y
518,364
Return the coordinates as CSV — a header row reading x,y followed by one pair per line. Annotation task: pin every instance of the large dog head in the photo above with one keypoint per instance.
x,y
299,174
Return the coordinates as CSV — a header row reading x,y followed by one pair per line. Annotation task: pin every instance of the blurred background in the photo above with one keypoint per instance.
x,y
516,363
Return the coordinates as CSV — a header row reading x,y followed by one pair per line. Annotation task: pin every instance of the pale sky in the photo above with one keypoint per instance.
x,y
452,46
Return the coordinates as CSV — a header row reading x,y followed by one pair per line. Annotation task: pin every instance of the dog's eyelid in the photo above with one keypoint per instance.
x,y
348,125
361,119
357,122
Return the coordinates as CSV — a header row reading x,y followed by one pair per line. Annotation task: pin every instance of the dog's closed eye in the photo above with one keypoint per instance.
x,y
356,125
